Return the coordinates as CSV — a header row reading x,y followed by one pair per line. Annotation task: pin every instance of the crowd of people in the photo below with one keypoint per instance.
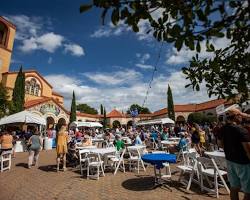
x,y
232,134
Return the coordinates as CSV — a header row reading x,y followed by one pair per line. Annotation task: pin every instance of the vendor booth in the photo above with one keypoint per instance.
x,y
22,118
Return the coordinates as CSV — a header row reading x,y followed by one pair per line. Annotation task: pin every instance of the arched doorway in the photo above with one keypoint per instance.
x,y
180,119
60,122
50,122
116,124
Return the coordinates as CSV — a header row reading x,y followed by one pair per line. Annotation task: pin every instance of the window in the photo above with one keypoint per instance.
x,y
32,87
3,33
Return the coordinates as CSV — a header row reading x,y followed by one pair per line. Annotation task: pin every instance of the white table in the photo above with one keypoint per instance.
x,y
219,154
97,140
87,147
136,147
167,142
219,158
103,151
174,139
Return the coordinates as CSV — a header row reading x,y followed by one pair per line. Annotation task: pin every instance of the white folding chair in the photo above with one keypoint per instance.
x,y
182,152
208,168
190,167
5,160
94,162
135,158
118,159
83,159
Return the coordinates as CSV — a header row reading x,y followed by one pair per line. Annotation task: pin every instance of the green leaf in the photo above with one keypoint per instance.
x,y
198,47
84,8
115,16
197,87
201,15
178,44
219,34
135,28
176,29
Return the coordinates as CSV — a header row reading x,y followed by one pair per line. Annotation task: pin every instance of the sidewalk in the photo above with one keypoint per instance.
x,y
45,183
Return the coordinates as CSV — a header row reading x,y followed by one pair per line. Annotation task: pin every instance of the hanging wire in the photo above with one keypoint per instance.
x,y
153,74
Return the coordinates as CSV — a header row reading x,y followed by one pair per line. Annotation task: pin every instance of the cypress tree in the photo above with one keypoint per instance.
x,y
73,109
101,109
104,119
171,113
4,103
18,93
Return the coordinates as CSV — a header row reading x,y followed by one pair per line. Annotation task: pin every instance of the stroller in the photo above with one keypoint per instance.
x,y
72,157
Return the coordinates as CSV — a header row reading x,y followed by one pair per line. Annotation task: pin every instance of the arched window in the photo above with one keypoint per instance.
x,y
3,34
32,87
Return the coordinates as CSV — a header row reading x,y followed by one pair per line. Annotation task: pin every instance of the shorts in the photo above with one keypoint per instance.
x,y
239,175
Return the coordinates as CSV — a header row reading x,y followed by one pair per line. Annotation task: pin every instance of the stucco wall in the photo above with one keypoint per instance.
x,y
5,53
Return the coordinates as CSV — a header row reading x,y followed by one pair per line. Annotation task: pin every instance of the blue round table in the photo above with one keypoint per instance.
x,y
157,159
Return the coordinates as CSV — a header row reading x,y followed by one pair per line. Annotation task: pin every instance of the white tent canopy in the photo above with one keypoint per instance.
x,y
156,121
85,124
23,117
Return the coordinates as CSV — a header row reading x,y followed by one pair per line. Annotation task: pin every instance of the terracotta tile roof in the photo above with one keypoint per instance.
x,y
88,115
145,115
116,114
194,107
211,104
56,94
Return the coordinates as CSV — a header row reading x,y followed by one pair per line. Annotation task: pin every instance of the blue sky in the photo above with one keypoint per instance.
x,y
102,64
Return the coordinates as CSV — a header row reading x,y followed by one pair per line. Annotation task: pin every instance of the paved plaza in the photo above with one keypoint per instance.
x,y
46,183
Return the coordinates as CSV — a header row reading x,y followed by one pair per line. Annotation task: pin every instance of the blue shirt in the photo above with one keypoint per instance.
x,y
138,140
154,135
182,143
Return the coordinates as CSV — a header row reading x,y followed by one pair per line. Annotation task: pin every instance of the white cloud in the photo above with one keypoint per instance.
x,y
143,58
120,77
102,32
26,26
48,42
143,66
74,49
50,60
122,96
33,34
184,55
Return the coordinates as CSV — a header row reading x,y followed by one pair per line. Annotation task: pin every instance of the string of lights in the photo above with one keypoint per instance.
x,y
153,74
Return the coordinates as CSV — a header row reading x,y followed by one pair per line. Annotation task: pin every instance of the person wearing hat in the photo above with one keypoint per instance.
x,y
235,141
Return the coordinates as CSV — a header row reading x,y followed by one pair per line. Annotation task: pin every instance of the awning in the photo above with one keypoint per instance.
x,y
85,124
23,117
156,121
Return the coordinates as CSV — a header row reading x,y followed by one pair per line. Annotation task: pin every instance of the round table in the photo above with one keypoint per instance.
x,y
157,159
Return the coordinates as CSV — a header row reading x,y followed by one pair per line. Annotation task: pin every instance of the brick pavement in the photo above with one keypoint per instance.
x,y
45,183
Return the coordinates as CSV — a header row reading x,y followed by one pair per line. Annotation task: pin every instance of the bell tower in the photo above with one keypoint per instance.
x,y
7,36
